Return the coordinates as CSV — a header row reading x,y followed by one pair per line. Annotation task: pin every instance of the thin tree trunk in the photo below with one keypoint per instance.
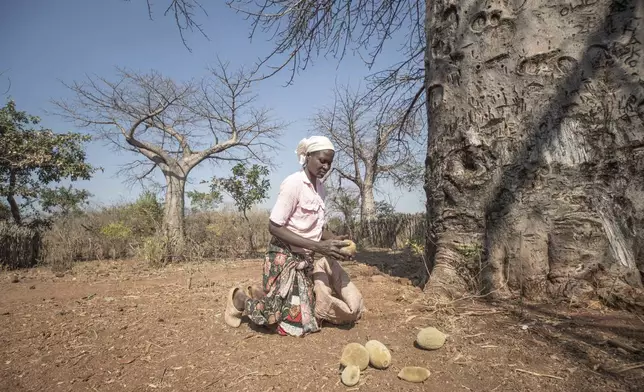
x,y
367,203
533,170
367,211
251,235
15,209
174,217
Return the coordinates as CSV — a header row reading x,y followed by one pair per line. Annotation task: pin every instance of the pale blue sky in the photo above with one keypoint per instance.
x,y
44,42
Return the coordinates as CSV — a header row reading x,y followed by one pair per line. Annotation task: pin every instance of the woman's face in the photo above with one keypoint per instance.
x,y
319,162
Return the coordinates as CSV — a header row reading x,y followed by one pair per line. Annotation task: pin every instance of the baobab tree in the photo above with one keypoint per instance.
x,y
369,146
174,126
535,115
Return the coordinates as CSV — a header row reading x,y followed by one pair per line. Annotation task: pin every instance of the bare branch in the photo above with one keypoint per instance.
x,y
367,146
9,84
226,103
356,180
305,29
174,125
184,13
137,172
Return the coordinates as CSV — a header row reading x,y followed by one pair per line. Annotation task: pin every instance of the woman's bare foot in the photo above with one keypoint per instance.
x,y
255,292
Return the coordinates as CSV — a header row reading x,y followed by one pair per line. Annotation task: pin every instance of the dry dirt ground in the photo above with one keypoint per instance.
x,y
124,326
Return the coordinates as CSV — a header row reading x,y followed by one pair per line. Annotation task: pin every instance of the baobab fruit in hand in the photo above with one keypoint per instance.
x,y
414,374
350,375
379,355
349,248
355,354
430,338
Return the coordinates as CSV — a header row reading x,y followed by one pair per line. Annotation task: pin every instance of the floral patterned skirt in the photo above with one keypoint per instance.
x,y
288,300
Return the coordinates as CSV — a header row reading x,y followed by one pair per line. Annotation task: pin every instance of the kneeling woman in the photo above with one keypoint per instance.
x,y
299,289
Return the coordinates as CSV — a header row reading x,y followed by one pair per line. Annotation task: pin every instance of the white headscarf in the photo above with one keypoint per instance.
x,y
312,144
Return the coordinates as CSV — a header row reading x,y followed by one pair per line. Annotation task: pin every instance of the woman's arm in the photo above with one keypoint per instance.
x,y
327,247
291,238
285,205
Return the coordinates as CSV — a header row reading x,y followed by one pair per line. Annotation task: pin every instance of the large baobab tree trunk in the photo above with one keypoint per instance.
x,y
174,215
536,147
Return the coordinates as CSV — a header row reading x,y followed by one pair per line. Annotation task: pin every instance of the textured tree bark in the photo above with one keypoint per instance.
x,y
174,213
367,202
367,209
536,147
13,205
15,209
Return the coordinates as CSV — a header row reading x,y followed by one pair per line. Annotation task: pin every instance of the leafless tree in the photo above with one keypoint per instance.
x,y
174,126
367,145
534,132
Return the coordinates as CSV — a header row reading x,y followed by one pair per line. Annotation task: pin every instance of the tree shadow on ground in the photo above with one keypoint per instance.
x,y
609,343
396,263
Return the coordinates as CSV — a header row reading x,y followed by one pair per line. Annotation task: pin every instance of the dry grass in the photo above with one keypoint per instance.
x,y
125,231
131,230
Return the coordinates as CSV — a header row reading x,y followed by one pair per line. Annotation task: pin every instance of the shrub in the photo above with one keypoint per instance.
x,y
116,231
153,250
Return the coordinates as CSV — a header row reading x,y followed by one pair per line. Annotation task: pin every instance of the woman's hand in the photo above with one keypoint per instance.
x,y
331,248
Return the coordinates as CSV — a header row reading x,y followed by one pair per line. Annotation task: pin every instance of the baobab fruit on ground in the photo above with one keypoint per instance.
x,y
355,354
430,338
350,375
349,248
414,374
379,355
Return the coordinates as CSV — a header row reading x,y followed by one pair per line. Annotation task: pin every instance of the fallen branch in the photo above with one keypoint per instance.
x,y
538,374
484,313
411,318
587,344
622,345
632,367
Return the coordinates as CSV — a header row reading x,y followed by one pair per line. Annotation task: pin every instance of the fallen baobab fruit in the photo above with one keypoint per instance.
x,y
379,355
413,374
349,248
430,338
355,354
350,375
